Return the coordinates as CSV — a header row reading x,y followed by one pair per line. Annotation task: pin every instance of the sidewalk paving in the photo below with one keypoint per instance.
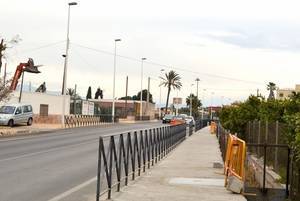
x,y
6,131
187,174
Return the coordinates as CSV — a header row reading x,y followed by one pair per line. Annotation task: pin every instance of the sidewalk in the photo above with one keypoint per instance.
x,y
6,131
187,174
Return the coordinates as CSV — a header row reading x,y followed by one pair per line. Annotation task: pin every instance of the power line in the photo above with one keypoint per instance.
x,y
168,66
40,47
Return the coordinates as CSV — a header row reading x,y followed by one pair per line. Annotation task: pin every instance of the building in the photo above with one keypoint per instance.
x,y
286,93
47,108
123,108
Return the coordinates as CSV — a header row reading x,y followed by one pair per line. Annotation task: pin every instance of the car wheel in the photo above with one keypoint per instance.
x,y
10,123
29,122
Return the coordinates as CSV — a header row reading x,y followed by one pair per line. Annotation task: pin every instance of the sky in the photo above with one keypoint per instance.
x,y
234,47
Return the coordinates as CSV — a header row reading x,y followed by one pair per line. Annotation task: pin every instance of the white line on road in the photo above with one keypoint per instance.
x,y
50,150
72,190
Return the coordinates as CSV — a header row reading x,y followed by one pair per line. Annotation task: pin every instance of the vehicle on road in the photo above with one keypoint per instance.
x,y
13,114
177,120
167,118
190,120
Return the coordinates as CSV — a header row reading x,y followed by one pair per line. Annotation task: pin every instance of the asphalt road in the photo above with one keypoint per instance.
x,y
50,166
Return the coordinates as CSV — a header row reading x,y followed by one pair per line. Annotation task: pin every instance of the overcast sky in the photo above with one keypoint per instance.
x,y
234,47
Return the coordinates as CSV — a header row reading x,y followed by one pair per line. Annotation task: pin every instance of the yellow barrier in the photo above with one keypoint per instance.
x,y
213,127
235,158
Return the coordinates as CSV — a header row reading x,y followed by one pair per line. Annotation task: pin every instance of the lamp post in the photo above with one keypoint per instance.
x,y
141,97
114,82
67,50
66,55
161,70
202,115
197,80
191,101
211,101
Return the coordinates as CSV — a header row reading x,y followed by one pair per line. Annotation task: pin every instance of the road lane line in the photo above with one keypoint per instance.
x,y
49,150
73,190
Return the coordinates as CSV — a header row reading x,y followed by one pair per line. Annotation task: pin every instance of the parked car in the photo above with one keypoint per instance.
x,y
167,118
16,114
190,120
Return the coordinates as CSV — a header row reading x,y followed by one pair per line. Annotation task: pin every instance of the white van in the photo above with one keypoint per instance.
x,y
12,114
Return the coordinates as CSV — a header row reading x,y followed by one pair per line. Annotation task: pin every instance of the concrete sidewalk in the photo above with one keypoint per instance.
x,y
187,174
18,130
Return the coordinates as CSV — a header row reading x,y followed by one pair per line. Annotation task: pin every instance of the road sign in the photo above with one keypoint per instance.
x,y
177,101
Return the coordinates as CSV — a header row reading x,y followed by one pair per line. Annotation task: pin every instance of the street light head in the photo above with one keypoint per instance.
x,y
117,40
197,80
144,58
162,70
72,3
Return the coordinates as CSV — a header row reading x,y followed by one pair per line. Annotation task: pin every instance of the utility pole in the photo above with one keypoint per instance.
x,y
197,80
4,76
126,94
75,98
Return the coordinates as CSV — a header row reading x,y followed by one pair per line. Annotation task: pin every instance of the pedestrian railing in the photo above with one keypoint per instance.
x,y
72,121
201,123
124,156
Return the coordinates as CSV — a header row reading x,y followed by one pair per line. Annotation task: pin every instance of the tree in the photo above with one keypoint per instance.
x,y
171,80
71,92
271,87
4,90
4,45
99,93
196,103
144,98
89,93
138,96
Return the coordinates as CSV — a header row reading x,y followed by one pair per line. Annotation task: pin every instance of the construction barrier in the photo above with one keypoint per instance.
x,y
213,127
234,164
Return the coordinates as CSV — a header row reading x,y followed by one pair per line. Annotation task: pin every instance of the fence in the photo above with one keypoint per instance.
x,y
270,163
124,156
72,121
201,123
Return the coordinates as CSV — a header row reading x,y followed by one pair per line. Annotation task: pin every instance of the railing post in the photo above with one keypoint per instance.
x,y
99,170
288,173
265,164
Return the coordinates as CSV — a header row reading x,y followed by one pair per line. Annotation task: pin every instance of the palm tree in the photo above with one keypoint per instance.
x,y
271,87
171,80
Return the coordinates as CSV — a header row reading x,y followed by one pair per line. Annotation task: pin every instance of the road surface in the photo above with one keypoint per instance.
x,y
53,166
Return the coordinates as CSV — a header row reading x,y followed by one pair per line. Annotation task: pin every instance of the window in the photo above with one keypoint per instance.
x,y
281,95
19,110
27,108
44,109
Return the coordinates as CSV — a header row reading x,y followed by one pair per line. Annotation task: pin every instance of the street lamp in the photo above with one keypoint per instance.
x,y
197,80
211,102
114,82
141,97
66,56
159,113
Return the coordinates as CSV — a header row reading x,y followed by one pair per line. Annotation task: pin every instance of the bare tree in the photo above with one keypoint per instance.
x,y
4,90
7,44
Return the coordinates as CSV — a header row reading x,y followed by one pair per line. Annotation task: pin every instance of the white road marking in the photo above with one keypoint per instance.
x,y
72,190
50,150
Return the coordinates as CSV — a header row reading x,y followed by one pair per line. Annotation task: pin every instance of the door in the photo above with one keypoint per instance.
x,y
18,115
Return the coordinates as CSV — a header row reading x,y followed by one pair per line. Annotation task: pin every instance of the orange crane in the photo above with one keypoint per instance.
x,y
21,68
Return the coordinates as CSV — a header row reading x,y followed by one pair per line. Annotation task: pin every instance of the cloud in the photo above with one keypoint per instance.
x,y
267,37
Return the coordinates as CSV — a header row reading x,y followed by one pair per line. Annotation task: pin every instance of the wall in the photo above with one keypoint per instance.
x,y
54,102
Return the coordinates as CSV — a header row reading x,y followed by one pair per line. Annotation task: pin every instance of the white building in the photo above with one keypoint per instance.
x,y
286,93
47,108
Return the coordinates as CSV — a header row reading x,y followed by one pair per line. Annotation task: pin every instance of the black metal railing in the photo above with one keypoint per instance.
x,y
124,156
72,121
201,123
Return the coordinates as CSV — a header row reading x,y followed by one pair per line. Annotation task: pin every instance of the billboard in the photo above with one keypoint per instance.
x,y
177,101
